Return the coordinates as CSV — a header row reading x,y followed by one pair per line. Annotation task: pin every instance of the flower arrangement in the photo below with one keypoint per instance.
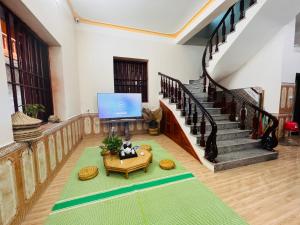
x,y
111,144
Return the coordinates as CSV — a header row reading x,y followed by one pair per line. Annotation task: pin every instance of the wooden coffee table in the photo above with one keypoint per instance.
x,y
112,163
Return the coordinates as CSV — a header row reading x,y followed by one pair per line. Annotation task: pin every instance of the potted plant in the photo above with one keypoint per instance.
x,y
111,144
153,119
33,110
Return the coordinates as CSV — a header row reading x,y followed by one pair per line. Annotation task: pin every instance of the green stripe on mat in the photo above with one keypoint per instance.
x,y
120,191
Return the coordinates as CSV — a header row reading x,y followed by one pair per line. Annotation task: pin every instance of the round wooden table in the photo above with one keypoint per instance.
x,y
112,163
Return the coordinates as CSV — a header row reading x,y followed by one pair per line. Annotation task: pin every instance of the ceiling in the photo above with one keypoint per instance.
x,y
163,16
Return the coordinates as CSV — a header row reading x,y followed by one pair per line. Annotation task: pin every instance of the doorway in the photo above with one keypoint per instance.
x,y
297,100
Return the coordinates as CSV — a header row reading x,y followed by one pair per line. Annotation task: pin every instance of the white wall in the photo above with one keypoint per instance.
x,y
6,136
54,21
291,59
277,62
56,17
97,46
263,70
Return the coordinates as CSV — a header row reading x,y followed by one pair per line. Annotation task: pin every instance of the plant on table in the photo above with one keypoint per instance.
x,y
112,144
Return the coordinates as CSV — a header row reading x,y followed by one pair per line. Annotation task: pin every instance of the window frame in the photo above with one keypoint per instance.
x,y
145,94
27,64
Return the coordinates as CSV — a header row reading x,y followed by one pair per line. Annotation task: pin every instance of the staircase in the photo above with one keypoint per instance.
x,y
215,118
235,146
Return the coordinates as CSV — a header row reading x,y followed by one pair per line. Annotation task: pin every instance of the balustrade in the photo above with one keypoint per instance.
x,y
179,94
269,139
190,107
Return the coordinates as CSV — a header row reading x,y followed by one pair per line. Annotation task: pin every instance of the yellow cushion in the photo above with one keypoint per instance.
x,y
88,173
167,164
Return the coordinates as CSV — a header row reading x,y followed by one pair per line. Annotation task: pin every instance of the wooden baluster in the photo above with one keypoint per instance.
x,y
167,87
232,17
164,87
195,120
179,100
217,41
202,131
172,100
243,117
204,84
223,103
214,90
161,85
242,9
183,111
209,93
224,32
189,118
176,93
252,2
210,49
232,110
255,125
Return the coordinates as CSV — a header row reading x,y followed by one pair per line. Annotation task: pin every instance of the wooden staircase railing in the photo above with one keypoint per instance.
x,y
268,135
177,93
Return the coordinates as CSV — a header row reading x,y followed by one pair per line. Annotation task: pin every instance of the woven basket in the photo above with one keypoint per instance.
x,y
20,121
88,173
167,164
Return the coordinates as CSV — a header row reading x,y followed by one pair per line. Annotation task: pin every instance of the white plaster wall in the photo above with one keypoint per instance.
x,y
6,136
263,70
97,46
291,59
56,17
262,22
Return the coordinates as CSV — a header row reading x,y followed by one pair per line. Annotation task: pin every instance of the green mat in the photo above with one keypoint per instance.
x,y
91,156
156,197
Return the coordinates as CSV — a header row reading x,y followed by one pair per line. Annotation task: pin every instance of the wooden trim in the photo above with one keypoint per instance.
x,y
138,30
130,59
171,128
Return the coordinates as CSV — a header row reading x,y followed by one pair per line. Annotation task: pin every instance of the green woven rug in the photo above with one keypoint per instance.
x,y
156,197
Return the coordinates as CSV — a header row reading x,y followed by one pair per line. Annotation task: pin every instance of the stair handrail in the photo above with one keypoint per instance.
x,y
211,150
268,142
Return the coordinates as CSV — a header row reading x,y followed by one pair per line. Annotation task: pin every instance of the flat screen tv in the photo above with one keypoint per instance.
x,y
119,105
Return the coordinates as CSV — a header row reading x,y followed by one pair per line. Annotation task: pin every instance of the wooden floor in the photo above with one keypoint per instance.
x,y
264,194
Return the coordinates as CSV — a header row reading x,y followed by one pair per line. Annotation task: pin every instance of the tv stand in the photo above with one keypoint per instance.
x,y
111,123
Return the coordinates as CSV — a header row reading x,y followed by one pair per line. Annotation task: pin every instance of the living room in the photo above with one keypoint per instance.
x,y
138,112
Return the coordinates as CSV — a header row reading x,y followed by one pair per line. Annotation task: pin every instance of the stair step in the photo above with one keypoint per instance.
x,y
242,158
222,125
213,110
216,117
239,144
228,134
209,110
195,81
205,104
199,94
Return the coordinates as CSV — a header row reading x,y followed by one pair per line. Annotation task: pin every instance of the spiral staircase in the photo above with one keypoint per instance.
x,y
215,119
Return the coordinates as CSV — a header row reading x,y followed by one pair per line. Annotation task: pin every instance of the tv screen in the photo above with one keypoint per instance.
x,y
119,105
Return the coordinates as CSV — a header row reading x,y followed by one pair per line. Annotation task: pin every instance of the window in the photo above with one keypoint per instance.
x,y
131,76
27,64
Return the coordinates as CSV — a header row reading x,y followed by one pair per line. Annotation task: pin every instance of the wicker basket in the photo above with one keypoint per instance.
x,y
88,173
